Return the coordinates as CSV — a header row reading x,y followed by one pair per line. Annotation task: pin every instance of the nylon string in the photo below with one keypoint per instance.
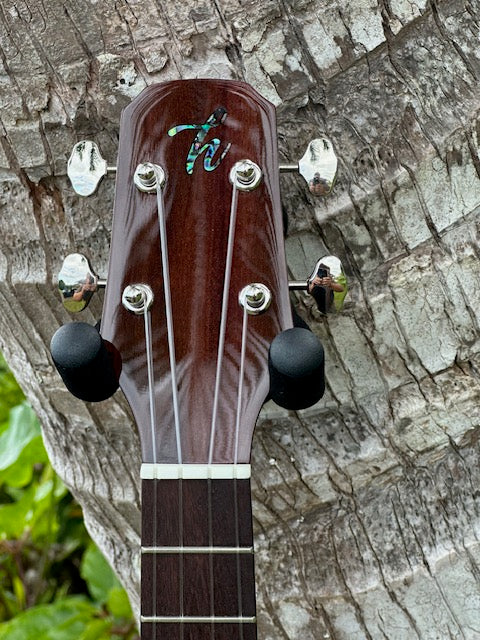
x,y
221,345
153,421
173,374
235,487
223,319
169,315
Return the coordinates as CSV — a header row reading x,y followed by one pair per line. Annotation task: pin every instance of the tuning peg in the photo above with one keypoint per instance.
x,y
298,285
318,166
77,282
296,366
328,284
89,366
86,167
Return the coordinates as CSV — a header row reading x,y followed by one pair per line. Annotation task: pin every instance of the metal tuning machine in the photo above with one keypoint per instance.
x,y
86,167
318,166
77,282
327,284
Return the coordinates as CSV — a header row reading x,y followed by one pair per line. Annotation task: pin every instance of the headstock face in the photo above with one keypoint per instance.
x,y
233,123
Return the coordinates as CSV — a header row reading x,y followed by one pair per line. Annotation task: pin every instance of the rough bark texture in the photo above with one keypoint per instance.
x,y
366,506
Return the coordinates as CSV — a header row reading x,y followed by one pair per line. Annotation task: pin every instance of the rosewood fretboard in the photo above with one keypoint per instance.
x,y
197,560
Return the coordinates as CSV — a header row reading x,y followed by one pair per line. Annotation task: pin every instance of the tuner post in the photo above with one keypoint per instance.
x,y
246,175
255,298
147,175
137,298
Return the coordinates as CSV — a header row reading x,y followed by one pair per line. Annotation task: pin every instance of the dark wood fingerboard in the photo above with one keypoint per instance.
x,y
197,560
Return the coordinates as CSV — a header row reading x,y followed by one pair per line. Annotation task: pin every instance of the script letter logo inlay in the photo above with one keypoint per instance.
x,y
209,148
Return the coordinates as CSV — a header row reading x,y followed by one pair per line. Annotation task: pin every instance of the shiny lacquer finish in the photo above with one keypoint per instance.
x,y
163,126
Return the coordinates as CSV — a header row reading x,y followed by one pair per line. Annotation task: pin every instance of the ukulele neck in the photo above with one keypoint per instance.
x,y
197,553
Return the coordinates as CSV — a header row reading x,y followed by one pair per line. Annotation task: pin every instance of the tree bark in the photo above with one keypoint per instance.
x,y
366,506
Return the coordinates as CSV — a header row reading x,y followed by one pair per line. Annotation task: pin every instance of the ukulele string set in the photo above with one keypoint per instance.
x,y
196,499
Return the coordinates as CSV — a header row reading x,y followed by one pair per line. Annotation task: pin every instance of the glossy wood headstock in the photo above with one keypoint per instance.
x,y
196,130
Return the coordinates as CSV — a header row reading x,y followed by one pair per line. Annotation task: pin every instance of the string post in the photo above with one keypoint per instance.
x,y
147,175
255,298
246,175
137,298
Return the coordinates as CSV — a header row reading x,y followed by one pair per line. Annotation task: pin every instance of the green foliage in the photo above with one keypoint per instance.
x,y
54,583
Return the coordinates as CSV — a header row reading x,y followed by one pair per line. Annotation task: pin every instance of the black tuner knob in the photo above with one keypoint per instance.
x,y
297,372
89,366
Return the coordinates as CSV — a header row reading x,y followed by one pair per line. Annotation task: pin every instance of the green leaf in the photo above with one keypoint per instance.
x,y
19,591
64,620
21,447
20,473
98,575
14,517
10,392
118,603
97,630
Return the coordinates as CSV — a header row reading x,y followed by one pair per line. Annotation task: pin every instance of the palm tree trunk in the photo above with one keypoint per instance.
x,y
366,506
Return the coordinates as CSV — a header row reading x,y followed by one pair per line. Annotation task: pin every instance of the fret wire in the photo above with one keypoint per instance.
x,y
195,471
181,550
200,619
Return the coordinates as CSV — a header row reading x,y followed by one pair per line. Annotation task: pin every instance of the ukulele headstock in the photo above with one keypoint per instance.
x,y
197,132
197,253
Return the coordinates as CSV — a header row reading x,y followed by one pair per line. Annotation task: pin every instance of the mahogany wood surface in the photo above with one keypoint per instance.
x,y
197,201
197,513
197,207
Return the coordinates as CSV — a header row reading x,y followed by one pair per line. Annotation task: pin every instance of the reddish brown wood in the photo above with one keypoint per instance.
x,y
199,632
215,512
197,208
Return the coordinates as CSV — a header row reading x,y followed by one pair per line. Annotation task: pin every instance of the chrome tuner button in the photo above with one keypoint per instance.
x,y
246,175
77,282
318,166
255,298
86,167
328,284
146,176
137,298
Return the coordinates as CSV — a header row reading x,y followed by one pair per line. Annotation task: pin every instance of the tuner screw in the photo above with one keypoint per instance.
x,y
137,298
255,298
246,175
146,175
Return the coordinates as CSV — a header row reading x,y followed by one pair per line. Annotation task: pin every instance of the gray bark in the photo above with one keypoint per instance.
x,y
366,506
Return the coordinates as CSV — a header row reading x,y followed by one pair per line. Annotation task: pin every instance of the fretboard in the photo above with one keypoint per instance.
x,y
198,578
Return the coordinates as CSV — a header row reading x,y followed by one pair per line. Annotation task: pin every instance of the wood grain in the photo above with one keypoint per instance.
x,y
197,210
197,513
